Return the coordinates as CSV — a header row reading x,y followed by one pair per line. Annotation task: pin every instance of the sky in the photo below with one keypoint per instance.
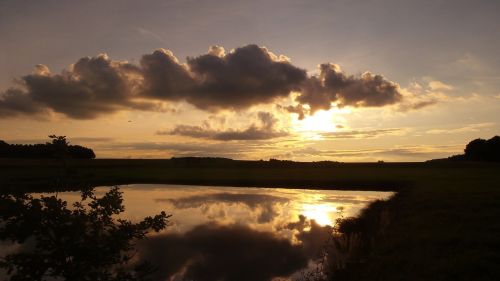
x,y
301,80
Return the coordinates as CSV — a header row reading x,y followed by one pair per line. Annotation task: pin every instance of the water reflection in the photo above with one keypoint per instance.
x,y
234,233
265,209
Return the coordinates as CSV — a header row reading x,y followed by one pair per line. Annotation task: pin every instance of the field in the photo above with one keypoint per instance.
x,y
444,224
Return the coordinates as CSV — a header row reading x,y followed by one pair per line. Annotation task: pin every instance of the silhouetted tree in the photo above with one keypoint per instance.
x,y
475,150
483,150
80,152
84,242
58,147
478,150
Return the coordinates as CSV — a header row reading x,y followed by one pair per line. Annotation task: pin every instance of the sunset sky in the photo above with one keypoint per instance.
x,y
304,80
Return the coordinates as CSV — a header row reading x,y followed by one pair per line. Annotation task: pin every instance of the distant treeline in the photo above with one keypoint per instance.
x,y
479,150
58,148
227,162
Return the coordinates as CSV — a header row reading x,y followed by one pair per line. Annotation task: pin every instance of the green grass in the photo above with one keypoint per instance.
x,y
446,227
445,223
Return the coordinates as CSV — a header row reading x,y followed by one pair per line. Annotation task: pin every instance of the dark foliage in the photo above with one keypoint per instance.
x,y
478,150
59,147
84,242
483,150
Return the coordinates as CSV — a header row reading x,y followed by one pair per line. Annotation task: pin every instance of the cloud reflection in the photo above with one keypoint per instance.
x,y
266,204
213,251
235,233
223,252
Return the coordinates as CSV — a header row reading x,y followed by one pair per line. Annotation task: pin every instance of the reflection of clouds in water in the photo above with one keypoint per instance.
x,y
265,203
223,252
310,234
213,251
261,208
353,199
232,233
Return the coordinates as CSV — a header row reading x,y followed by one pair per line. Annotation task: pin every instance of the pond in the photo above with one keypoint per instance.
x,y
235,233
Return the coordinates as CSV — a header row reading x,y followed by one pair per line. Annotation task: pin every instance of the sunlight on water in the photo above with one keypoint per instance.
x,y
222,231
266,209
323,214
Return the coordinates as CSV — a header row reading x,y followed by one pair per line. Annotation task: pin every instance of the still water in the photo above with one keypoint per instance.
x,y
236,233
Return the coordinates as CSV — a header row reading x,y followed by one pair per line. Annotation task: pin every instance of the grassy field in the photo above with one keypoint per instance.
x,y
444,225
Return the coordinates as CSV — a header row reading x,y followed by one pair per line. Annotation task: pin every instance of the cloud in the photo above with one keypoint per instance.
x,y
218,80
89,88
417,96
217,252
466,129
247,76
362,134
164,77
312,240
438,85
186,149
16,102
419,101
300,110
263,202
264,131
334,86
420,151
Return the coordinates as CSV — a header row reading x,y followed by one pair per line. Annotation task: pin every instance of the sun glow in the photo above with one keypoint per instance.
x,y
321,121
321,213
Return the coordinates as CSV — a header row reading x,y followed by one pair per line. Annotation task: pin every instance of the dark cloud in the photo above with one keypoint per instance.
x,y
164,77
216,252
247,76
91,87
16,102
334,86
314,239
298,109
262,202
415,105
242,78
263,131
191,131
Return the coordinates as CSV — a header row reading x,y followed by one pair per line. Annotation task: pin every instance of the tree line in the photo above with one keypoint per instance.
x,y
479,150
58,147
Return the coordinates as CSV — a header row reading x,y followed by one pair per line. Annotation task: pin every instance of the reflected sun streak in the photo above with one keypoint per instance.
x,y
323,214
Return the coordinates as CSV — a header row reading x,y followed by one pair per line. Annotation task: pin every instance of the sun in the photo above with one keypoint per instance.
x,y
320,121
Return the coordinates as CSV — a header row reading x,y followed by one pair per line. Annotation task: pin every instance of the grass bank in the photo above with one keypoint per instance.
x,y
446,227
